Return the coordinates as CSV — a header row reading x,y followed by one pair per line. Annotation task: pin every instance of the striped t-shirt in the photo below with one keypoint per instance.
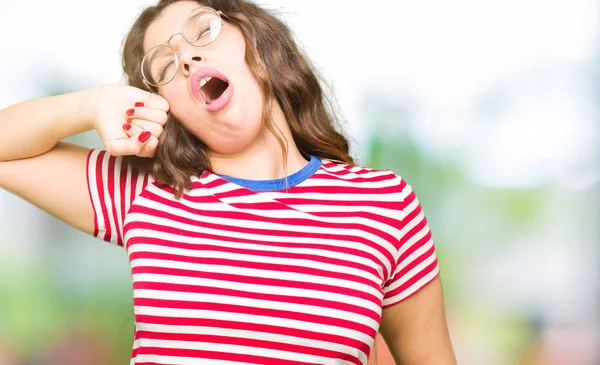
x,y
288,272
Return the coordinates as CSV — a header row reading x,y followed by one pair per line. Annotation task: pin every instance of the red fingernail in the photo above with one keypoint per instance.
x,y
130,112
144,136
138,104
129,120
127,126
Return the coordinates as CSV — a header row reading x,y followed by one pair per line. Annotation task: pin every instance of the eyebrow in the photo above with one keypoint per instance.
x,y
152,58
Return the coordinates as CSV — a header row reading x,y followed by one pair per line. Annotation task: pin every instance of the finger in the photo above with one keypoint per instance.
x,y
153,115
149,148
162,105
134,145
157,102
154,128
132,129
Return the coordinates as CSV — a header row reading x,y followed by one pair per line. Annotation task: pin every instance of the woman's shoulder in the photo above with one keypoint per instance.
x,y
362,175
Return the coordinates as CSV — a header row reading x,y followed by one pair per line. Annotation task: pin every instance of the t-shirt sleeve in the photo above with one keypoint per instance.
x,y
417,264
113,184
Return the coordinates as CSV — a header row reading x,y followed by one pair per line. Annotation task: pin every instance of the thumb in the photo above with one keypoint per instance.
x,y
139,143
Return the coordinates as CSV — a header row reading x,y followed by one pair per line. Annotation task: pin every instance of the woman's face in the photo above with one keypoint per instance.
x,y
228,129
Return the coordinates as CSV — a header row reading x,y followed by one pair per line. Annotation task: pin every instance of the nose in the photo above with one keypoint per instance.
x,y
187,62
188,55
189,58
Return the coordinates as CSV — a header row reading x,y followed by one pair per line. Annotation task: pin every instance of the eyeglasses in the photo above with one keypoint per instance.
x,y
160,64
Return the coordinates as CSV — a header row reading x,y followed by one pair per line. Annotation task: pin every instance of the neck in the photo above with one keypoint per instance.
x,y
264,159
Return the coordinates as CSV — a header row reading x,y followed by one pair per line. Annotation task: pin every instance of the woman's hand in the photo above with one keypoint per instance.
x,y
128,120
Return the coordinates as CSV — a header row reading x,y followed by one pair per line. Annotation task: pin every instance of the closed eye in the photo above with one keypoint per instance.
x,y
164,69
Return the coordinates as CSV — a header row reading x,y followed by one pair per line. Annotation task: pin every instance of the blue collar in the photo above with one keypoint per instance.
x,y
278,184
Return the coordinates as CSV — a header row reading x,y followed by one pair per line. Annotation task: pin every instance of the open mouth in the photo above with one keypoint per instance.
x,y
211,89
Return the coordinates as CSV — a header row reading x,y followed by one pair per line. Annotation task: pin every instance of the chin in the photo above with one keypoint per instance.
x,y
239,121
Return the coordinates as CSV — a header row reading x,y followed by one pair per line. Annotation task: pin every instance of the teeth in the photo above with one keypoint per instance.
x,y
204,98
204,81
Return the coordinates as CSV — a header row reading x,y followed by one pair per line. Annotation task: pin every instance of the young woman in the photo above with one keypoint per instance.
x,y
252,237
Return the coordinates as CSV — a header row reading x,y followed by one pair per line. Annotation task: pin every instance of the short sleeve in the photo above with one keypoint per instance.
x,y
416,264
113,184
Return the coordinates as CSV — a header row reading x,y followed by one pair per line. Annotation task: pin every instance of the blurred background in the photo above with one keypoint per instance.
x,y
490,109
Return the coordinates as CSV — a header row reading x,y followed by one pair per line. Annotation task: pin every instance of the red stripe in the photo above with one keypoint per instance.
x,y
234,278
114,199
145,182
146,321
201,289
249,342
133,187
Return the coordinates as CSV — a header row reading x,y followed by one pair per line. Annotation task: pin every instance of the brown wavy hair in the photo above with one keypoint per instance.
x,y
284,75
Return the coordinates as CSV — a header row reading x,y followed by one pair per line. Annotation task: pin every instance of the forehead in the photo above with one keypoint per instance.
x,y
169,22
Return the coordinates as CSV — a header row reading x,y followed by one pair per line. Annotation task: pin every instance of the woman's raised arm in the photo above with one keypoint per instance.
x,y
50,174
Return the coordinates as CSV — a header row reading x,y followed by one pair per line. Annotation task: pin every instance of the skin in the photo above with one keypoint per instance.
x,y
416,330
30,134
